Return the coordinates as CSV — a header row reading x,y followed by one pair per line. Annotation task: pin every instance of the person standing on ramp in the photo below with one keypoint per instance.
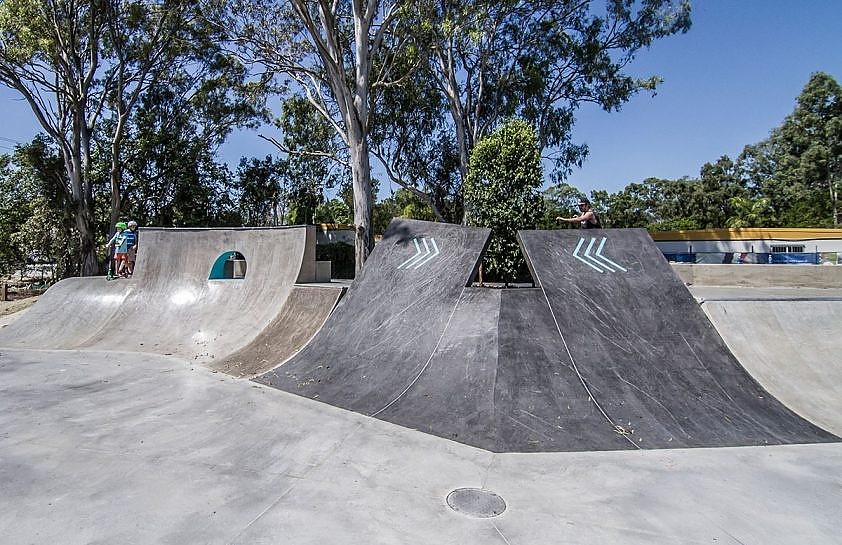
x,y
117,242
131,242
587,218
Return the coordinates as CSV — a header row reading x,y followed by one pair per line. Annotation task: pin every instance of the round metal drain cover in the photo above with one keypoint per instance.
x,y
476,502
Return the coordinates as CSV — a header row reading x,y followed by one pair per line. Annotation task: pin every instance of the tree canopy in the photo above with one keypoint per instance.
x,y
135,98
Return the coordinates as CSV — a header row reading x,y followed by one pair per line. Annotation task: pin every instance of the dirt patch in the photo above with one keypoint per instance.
x,y
11,307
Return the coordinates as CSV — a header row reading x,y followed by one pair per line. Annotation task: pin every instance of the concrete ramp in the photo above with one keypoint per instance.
x,y
300,318
793,348
68,314
171,306
609,352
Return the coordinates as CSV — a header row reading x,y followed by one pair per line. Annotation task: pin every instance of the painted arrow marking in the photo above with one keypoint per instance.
x,y
596,261
605,259
583,260
421,257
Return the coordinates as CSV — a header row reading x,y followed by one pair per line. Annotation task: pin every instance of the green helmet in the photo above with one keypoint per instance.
x,y
121,225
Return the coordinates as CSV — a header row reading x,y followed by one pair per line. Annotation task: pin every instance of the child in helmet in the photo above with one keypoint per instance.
x,y
131,243
118,241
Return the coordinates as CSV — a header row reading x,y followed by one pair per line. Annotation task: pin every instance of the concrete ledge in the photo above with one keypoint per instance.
x,y
323,271
760,276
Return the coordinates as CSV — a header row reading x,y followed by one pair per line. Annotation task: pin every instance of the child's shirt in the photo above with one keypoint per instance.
x,y
118,241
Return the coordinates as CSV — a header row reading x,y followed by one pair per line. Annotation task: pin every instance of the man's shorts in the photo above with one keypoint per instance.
x,y
120,256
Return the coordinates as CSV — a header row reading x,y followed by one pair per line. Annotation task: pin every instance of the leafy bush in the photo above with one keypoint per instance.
x,y
501,192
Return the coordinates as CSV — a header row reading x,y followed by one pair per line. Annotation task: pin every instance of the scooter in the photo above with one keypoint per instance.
x,y
110,275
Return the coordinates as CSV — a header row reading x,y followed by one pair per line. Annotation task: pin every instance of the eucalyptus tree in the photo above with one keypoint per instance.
x,y
798,168
339,54
412,140
51,54
149,43
76,62
540,60
316,158
809,144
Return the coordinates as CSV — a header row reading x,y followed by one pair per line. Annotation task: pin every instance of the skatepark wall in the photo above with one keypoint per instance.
x,y
760,276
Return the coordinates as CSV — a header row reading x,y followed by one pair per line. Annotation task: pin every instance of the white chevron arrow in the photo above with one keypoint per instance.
x,y
599,255
421,256
431,256
596,261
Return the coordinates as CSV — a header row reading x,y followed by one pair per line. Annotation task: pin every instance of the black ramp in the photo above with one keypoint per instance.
x,y
384,332
655,368
500,380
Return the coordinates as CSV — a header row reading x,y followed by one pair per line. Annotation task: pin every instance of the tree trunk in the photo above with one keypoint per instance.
x,y
87,244
361,171
115,177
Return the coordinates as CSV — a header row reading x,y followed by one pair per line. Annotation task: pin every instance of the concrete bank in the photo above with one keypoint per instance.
x,y
760,276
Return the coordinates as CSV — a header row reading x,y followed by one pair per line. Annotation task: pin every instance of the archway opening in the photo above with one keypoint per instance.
x,y
229,266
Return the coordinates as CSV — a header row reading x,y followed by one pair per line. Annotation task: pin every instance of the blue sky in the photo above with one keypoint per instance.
x,y
727,82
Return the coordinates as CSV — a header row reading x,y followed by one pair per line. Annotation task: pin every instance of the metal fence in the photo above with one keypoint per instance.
x,y
758,258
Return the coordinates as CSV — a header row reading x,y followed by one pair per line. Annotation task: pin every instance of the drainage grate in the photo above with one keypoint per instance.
x,y
476,502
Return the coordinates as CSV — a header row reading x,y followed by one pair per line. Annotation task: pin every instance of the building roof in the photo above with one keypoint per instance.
x,y
749,233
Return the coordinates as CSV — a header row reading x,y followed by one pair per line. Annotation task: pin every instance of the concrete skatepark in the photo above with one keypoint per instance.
x,y
598,407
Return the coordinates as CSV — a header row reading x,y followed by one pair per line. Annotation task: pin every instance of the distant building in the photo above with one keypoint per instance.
x,y
328,233
752,245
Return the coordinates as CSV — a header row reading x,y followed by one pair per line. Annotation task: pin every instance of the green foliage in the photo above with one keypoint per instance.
x,y
501,192
311,165
171,175
13,212
382,213
539,60
36,221
634,206
791,179
411,136
263,186
713,193
334,211
559,201
749,212
799,167
402,204
340,255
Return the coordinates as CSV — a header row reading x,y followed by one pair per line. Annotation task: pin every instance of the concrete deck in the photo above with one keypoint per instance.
x,y
103,448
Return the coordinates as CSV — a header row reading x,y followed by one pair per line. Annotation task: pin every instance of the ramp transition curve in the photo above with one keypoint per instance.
x,y
172,307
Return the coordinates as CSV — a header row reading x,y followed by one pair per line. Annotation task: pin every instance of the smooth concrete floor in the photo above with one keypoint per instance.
x,y
99,448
